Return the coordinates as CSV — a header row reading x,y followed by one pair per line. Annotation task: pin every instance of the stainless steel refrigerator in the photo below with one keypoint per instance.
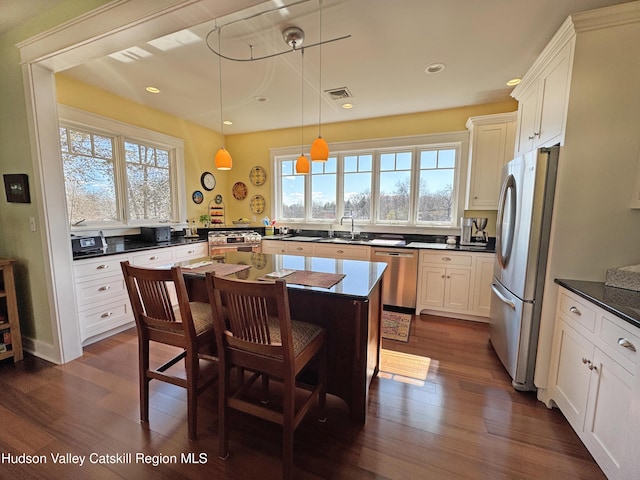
x,y
522,240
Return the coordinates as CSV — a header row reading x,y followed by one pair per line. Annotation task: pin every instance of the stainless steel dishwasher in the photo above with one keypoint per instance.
x,y
401,276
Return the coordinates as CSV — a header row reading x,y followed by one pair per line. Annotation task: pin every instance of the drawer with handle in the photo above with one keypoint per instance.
x,y
103,266
619,339
100,290
445,259
577,310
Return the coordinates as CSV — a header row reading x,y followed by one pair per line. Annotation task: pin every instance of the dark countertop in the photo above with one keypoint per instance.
x,y
408,241
118,245
361,276
622,303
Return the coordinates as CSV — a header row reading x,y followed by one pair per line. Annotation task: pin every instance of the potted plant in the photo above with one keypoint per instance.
x,y
204,220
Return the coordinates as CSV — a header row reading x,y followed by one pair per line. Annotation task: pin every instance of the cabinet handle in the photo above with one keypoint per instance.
x,y
585,361
298,248
623,342
191,251
536,134
340,251
592,367
446,259
106,314
104,288
102,267
531,137
442,276
153,258
576,311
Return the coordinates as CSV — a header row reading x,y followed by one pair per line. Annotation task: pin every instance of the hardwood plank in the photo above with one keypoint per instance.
x,y
464,420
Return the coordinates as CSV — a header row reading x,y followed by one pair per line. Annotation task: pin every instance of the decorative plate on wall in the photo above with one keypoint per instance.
x,y
239,191
258,176
197,197
257,204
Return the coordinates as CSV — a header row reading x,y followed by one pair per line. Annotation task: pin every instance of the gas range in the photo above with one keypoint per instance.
x,y
230,237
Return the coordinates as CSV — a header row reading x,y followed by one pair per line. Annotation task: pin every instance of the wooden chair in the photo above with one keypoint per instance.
x,y
254,332
188,325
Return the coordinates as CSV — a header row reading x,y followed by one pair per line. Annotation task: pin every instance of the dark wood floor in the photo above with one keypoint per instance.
x,y
464,421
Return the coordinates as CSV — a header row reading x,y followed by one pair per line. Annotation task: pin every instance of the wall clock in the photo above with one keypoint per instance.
x,y
208,181
258,176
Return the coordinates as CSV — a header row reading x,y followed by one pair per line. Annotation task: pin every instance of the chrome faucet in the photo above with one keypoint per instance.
x,y
350,216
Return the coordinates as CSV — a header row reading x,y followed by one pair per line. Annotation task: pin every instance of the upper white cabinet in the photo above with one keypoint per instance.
x,y
491,145
543,94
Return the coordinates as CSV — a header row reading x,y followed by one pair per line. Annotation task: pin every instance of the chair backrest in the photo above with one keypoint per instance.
x,y
252,315
150,295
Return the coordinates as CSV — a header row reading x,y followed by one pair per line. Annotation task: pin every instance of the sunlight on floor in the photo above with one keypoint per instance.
x,y
404,367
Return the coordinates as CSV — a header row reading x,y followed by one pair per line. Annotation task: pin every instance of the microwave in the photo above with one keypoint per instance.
x,y
156,234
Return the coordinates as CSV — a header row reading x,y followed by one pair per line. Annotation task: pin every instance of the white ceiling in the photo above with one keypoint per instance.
x,y
483,43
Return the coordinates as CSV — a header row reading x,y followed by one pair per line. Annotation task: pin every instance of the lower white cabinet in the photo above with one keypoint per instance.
x,y
101,296
455,284
593,360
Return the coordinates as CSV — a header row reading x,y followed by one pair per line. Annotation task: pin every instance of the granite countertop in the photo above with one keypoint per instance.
x,y
622,303
118,245
360,276
409,241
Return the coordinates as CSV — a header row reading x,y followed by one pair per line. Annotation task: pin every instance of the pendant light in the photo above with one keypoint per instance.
x,y
302,164
319,148
223,160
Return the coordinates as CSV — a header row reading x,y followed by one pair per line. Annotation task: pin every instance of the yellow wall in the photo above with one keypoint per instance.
x,y
252,149
200,143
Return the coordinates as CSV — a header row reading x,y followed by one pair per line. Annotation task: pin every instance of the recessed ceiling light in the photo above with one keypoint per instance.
x,y
514,81
228,122
347,105
434,68
152,89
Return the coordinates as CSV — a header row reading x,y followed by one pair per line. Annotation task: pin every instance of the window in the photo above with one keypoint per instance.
x,y
116,174
412,185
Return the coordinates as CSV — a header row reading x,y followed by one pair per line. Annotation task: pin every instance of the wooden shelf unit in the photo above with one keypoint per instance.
x,y
9,309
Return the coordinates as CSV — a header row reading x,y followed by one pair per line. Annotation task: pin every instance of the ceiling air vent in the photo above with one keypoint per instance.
x,y
339,93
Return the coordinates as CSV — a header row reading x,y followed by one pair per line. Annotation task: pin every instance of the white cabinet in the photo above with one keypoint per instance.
x,y
455,283
272,246
491,145
101,296
347,252
542,98
594,355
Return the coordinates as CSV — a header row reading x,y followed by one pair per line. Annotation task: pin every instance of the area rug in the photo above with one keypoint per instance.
x,y
396,325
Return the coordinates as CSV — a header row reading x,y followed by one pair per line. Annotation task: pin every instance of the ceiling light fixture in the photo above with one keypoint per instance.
x,y
513,82
347,106
152,89
434,68
319,148
222,160
302,164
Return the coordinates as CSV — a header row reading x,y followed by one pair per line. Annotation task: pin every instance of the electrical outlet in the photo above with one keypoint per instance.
x,y
32,223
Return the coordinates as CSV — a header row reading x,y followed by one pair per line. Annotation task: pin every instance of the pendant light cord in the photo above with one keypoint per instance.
x,y
220,82
320,83
302,101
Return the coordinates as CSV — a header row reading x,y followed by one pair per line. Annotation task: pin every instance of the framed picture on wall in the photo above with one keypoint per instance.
x,y
16,186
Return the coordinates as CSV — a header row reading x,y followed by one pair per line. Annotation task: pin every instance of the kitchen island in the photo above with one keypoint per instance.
x,y
350,311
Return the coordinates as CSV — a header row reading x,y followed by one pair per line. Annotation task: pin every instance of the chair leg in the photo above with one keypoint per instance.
x,y
223,428
192,366
287,427
143,368
322,377
265,389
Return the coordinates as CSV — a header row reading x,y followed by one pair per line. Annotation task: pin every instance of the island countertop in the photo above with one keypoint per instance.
x,y
360,276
